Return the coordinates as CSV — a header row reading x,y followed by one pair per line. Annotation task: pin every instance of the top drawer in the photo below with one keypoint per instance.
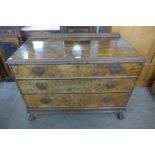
x,y
72,71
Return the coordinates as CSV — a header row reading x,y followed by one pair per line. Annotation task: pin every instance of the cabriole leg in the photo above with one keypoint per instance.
x,y
120,115
31,117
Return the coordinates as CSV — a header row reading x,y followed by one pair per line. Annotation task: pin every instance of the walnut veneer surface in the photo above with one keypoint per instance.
x,y
78,71
38,50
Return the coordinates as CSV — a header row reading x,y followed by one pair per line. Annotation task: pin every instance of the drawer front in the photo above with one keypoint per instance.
x,y
7,31
71,71
77,100
76,86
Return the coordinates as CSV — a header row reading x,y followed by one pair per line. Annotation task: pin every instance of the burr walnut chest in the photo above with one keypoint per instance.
x,y
69,72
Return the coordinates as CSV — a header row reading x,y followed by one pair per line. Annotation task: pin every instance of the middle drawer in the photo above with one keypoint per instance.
x,y
76,85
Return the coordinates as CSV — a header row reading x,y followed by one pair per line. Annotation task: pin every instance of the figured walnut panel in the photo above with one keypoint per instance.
x,y
71,71
77,100
62,49
76,71
76,86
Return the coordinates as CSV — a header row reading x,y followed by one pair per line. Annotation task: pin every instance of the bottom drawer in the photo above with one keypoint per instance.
x,y
77,100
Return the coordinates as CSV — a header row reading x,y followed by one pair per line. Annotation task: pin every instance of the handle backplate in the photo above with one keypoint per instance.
x,y
38,70
114,69
112,84
106,99
42,86
46,100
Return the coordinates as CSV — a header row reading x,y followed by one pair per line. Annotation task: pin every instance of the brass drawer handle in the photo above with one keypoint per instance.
x,y
106,99
41,86
114,69
77,66
112,84
38,70
46,100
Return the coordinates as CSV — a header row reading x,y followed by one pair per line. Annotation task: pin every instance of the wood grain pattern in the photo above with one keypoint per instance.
x,y
143,39
136,36
81,70
52,74
75,35
76,86
147,75
10,39
77,100
4,65
62,49
10,34
78,29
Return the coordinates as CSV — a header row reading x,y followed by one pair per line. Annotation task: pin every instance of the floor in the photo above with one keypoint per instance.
x,y
139,114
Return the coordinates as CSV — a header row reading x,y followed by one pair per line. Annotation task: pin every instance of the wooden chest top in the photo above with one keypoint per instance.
x,y
72,48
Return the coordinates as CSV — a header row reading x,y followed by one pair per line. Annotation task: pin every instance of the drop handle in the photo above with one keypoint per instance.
x,y
114,69
38,70
77,66
41,86
111,84
106,100
46,100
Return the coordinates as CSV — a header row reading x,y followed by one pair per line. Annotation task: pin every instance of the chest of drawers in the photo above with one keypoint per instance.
x,y
70,72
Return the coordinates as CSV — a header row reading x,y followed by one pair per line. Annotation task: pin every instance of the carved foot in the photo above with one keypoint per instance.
x,y
120,115
31,117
